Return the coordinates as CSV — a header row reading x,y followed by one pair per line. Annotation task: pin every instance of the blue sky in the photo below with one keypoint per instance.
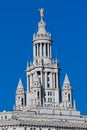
x,y
66,20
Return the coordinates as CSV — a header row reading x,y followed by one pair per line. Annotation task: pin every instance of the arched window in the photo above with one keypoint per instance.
x,y
39,49
46,50
68,97
22,103
36,49
38,95
48,79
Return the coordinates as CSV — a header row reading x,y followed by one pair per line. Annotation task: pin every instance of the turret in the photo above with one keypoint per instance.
x,y
67,93
20,96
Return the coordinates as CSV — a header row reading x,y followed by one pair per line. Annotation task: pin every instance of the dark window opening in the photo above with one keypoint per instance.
x,y
36,50
22,103
39,49
38,95
46,50
42,49
55,81
68,97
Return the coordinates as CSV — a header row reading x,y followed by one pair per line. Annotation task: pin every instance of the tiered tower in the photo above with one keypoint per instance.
x,y
44,67
43,106
43,76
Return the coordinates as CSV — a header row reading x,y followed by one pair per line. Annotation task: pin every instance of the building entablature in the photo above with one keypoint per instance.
x,y
42,37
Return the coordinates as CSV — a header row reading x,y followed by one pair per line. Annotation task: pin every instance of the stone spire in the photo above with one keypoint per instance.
x,y
20,85
66,81
67,93
20,96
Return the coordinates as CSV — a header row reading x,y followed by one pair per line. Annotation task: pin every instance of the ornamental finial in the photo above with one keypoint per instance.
x,y
41,13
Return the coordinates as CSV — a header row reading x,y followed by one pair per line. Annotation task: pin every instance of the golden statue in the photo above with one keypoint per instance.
x,y
41,13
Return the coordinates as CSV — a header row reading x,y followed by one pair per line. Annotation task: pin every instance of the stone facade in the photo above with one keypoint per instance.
x,y
43,106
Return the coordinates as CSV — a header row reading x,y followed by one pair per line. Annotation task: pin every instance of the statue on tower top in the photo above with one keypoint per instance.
x,y
41,13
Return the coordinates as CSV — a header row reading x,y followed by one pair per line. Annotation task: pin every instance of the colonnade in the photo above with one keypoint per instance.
x,y
53,80
42,50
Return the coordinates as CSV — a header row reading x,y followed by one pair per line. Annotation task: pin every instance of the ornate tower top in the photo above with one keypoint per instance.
x,y
41,32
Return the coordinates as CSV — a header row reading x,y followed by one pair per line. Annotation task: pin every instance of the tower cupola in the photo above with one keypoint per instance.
x,y
42,42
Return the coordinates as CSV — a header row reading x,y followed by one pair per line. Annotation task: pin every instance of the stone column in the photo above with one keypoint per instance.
x,y
41,78
57,80
48,49
44,50
51,85
50,52
28,83
53,80
45,79
40,50
31,80
33,51
37,50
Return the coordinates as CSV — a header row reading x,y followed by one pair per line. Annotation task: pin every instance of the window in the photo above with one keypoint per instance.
x,y
49,99
48,79
5,117
6,128
22,103
25,128
32,128
39,75
36,50
46,50
49,93
68,97
44,99
48,85
69,105
2,117
53,99
14,128
39,49
38,95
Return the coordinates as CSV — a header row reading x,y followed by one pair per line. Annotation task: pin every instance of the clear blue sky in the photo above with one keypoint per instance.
x,y
66,20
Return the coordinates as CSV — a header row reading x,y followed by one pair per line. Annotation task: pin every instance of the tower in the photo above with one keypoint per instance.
x,y
67,93
44,67
20,96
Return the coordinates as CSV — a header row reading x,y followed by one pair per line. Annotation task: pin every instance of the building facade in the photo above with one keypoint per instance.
x,y
44,106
